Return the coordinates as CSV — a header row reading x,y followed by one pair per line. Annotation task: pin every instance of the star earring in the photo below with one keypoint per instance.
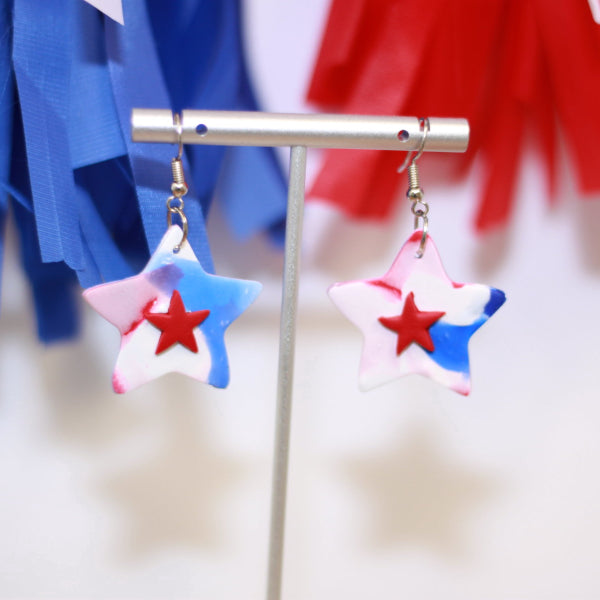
x,y
415,319
173,315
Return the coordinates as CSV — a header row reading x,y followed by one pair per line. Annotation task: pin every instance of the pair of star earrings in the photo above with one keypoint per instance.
x,y
172,317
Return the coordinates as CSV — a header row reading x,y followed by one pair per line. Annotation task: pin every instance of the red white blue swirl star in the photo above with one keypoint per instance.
x,y
172,317
415,319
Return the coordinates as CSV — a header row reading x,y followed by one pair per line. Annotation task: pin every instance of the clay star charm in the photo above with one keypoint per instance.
x,y
415,319
172,317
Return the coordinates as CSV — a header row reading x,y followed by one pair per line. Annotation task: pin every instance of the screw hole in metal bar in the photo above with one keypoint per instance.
x,y
403,135
201,129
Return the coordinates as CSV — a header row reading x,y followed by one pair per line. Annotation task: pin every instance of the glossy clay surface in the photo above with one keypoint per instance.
x,y
415,319
136,306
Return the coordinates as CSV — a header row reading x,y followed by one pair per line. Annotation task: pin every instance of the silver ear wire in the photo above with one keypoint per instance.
x,y
424,125
179,130
179,187
415,192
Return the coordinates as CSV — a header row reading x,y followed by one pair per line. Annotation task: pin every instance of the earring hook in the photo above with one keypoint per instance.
x,y
179,187
179,129
410,157
415,193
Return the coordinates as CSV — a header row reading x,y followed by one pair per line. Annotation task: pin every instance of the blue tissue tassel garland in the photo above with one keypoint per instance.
x,y
67,160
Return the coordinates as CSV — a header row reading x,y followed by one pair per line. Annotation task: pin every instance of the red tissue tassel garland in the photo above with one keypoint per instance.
x,y
505,65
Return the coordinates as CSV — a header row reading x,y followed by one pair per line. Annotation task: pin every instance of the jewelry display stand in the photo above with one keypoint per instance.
x,y
299,132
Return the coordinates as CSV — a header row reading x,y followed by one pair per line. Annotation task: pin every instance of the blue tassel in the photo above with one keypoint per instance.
x,y
88,203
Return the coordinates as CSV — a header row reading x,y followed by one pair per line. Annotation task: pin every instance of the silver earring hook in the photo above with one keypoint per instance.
x,y
179,187
179,130
410,157
425,124
415,193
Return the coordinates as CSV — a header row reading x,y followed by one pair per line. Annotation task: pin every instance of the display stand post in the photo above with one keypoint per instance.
x,y
232,128
287,344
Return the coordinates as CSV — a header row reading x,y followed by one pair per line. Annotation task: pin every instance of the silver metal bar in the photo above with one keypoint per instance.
x,y
287,344
237,128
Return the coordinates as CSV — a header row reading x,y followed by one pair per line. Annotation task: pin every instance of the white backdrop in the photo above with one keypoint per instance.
x,y
408,491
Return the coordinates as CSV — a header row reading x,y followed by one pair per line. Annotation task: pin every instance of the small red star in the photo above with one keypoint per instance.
x,y
176,324
412,325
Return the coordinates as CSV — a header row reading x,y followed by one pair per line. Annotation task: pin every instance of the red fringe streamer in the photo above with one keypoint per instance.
x,y
505,65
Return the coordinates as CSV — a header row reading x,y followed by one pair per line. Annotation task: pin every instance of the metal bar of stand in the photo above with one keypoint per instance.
x,y
237,128
287,339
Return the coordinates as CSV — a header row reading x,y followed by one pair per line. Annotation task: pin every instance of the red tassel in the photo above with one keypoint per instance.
x,y
506,65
